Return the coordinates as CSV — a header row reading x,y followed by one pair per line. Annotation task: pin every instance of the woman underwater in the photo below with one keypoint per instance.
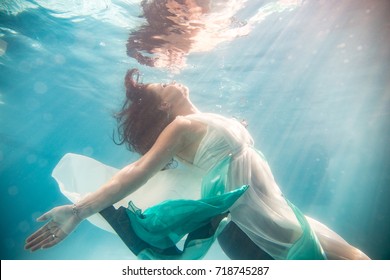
x,y
235,198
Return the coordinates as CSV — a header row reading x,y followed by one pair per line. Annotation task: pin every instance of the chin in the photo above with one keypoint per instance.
x,y
186,91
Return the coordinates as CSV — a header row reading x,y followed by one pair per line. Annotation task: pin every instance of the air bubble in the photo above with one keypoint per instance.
x,y
42,162
341,46
31,159
25,66
32,104
13,190
10,243
88,151
47,117
24,226
59,59
40,88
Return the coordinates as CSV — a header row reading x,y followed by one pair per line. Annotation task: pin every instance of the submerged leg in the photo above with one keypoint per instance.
x,y
238,246
335,247
235,243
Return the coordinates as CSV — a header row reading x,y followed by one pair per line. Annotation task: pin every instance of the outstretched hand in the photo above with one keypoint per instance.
x,y
61,222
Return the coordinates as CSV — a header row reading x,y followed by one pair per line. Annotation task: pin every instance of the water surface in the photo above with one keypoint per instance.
x,y
311,78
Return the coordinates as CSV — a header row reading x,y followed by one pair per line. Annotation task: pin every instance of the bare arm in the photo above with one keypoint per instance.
x,y
130,178
63,220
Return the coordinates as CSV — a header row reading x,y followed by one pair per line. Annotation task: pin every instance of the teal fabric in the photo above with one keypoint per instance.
x,y
214,182
193,250
165,224
307,247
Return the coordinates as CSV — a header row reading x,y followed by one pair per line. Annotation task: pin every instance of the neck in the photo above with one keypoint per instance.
x,y
193,110
185,109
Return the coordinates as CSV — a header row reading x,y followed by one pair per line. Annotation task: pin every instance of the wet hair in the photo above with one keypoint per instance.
x,y
141,119
150,44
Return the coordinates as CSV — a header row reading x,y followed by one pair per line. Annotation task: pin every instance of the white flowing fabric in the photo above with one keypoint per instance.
x,y
78,175
262,212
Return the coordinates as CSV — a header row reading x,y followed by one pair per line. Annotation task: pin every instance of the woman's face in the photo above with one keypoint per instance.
x,y
170,93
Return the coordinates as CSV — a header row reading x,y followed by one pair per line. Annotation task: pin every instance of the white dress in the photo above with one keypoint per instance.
x,y
261,212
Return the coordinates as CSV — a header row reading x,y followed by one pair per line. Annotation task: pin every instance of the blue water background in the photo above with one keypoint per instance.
x,y
313,83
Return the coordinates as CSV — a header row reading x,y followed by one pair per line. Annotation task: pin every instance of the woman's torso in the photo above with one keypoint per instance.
x,y
262,212
209,142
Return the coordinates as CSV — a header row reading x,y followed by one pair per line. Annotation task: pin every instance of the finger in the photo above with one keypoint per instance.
x,y
48,242
43,229
39,232
32,241
45,216
39,242
51,243
60,234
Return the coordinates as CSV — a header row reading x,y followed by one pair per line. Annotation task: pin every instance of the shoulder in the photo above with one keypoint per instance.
x,y
185,131
177,131
178,127
181,122
185,125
